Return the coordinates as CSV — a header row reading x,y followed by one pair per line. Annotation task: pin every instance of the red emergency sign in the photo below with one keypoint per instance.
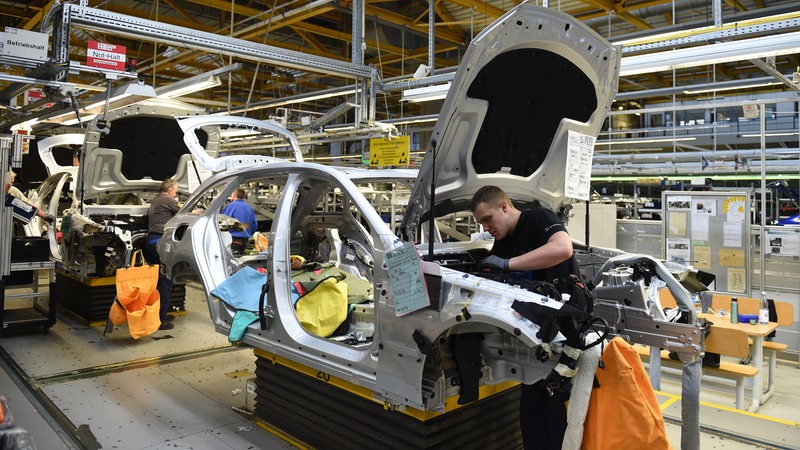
x,y
105,56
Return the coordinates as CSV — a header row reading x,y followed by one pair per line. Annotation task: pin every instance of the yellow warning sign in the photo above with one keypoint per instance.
x,y
389,152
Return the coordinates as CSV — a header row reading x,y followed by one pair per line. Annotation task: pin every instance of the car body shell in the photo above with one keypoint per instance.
x,y
121,169
408,361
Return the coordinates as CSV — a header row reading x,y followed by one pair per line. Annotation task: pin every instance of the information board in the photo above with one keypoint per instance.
x,y
709,231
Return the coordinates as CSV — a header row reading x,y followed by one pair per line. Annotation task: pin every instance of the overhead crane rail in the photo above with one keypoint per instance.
x,y
137,28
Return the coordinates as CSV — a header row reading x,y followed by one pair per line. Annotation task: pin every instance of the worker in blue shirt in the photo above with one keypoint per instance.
x,y
242,212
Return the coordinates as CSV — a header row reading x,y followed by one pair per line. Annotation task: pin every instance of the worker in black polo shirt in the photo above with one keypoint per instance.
x,y
535,241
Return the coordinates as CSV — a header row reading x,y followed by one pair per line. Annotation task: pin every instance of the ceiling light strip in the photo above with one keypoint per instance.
x,y
711,33
760,47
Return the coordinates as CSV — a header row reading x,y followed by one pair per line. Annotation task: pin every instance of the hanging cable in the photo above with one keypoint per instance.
x,y
258,64
230,58
76,107
402,60
380,67
155,45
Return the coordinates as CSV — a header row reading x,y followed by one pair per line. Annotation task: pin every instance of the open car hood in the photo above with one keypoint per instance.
x,y
134,149
137,147
518,93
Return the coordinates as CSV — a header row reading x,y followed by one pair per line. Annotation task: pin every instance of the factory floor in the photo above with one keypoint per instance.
x,y
187,388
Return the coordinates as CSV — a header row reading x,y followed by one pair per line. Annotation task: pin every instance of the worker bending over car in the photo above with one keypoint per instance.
x,y
535,241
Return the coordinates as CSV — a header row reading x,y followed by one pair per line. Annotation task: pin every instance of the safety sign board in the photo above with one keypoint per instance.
x,y
750,110
34,95
105,56
24,44
389,151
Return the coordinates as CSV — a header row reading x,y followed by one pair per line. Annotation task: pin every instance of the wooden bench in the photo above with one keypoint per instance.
x,y
747,305
725,342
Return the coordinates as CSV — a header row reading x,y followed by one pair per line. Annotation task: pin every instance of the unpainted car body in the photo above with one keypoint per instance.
x,y
485,135
124,157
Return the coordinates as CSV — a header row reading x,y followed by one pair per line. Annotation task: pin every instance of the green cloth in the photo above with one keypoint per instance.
x,y
241,320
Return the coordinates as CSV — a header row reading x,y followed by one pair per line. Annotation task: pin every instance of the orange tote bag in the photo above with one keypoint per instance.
x,y
138,301
623,412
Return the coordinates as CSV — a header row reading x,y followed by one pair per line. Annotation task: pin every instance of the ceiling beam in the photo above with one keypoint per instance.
x,y
281,22
622,11
310,39
180,10
133,12
37,17
594,13
225,5
736,5
480,6
403,21
446,16
19,13
397,52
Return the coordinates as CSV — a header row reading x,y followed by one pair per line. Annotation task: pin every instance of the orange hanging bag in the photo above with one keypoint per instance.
x,y
623,411
138,301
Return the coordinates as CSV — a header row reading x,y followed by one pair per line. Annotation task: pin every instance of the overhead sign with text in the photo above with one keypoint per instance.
x,y
389,151
24,44
105,56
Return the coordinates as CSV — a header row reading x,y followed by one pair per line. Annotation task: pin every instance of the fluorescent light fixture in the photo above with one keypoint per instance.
x,y
185,87
426,93
785,176
642,141
770,134
300,98
196,83
120,96
413,120
681,34
310,98
333,157
239,132
730,88
760,47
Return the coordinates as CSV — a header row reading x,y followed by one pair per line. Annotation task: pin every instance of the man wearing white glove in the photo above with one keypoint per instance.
x,y
532,240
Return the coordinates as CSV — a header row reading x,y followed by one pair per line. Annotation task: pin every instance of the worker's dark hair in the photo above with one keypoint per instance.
x,y
239,193
491,195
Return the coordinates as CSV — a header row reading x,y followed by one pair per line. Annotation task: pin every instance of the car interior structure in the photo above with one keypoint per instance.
x,y
360,313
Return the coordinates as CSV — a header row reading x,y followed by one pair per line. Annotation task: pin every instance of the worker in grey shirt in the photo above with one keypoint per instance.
x,y
162,209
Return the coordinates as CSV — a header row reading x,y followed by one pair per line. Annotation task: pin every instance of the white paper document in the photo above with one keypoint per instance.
x,y
405,276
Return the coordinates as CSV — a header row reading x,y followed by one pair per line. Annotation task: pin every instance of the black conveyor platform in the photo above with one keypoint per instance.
x,y
90,298
327,413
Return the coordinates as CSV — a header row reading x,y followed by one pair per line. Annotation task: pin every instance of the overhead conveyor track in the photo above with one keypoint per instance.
x,y
137,28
